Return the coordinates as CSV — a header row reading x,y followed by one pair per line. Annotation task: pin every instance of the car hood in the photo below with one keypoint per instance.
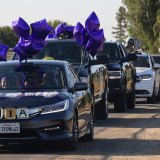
x,y
140,71
31,99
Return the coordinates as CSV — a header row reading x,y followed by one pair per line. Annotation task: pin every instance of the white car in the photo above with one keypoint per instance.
x,y
147,77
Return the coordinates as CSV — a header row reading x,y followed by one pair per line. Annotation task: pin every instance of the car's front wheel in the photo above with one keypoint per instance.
x,y
131,99
73,143
120,102
101,108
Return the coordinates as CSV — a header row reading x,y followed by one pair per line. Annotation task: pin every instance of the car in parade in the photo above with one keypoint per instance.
x,y
148,78
122,75
44,100
90,70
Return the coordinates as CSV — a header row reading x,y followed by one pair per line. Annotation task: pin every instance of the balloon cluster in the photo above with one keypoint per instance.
x,y
62,30
3,52
30,44
90,37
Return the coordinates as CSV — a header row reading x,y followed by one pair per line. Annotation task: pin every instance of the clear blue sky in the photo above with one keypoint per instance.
x,y
71,11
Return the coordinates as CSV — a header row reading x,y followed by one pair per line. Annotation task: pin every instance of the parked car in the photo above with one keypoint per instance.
x,y
148,77
122,76
45,101
89,70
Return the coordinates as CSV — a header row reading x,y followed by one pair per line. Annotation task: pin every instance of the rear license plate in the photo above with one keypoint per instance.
x,y
9,128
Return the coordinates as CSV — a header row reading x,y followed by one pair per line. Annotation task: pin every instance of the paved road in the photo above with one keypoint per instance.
x,y
134,135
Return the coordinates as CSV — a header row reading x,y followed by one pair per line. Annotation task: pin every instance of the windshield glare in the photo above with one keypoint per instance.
x,y
62,51
142,61
31,77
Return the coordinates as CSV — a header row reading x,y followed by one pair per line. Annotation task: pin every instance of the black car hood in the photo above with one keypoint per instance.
x,y
114,66
31,99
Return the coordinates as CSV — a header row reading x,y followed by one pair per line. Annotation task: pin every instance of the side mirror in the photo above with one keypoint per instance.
x,y
80,86
156,66
132,57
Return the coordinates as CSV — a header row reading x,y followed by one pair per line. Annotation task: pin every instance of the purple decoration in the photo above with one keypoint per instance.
x,y
95,42
3,52
41,29
69,31
21,28
92,23
21,55
79,34
60,29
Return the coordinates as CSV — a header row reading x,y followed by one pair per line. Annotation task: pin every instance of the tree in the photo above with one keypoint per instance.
x,y
120,30
141,17
7,36
55,23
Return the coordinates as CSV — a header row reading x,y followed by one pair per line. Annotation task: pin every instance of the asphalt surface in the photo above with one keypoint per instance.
x,y
134,135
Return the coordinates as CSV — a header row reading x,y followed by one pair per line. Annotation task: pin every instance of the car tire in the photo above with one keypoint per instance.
x,y
131,99
90,134
73,143
120,104
101,108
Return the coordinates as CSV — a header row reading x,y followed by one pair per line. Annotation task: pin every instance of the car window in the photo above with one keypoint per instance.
x,y
112,51
142,61
31,77
62,51
71,78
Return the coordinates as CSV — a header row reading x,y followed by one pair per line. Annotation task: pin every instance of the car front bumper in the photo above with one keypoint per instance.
x,y
49,127
144,88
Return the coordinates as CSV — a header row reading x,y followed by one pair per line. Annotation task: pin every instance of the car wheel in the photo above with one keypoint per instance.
x,y
153,98
90,134
131,99
101,108
73,143
120,104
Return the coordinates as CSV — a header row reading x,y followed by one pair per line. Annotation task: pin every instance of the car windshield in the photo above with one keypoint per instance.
x,y
30,76
112,51
142,61
62,51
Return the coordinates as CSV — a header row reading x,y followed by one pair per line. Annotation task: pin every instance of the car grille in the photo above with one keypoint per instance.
x,y
142,92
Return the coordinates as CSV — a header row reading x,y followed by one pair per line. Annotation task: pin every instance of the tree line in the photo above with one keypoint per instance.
x,y
139,19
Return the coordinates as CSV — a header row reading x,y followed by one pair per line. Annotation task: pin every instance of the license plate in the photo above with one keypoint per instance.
x,y
9,128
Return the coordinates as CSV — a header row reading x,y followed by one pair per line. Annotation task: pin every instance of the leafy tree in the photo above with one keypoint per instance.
x,y
55,23
141,17
7,36
120,30
156,29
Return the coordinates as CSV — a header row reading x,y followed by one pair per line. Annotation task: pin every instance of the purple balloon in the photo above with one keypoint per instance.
x,y
95,42
79,33
21,28
92,23
69,31
41,29
21,55
28,48
3,52
60,29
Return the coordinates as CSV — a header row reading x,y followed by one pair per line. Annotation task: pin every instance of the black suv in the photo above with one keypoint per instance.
x,y
122,76
88,69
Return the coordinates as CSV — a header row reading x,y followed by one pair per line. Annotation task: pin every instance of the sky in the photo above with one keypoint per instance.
x,y
70,11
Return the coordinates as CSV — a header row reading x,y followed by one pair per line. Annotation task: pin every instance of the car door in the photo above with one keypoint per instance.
x,y
81,99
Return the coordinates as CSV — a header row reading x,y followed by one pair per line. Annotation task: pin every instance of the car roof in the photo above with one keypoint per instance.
x,y
50,62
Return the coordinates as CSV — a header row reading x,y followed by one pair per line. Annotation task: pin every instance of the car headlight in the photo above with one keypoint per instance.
x,y
114,74
58,107
146,77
